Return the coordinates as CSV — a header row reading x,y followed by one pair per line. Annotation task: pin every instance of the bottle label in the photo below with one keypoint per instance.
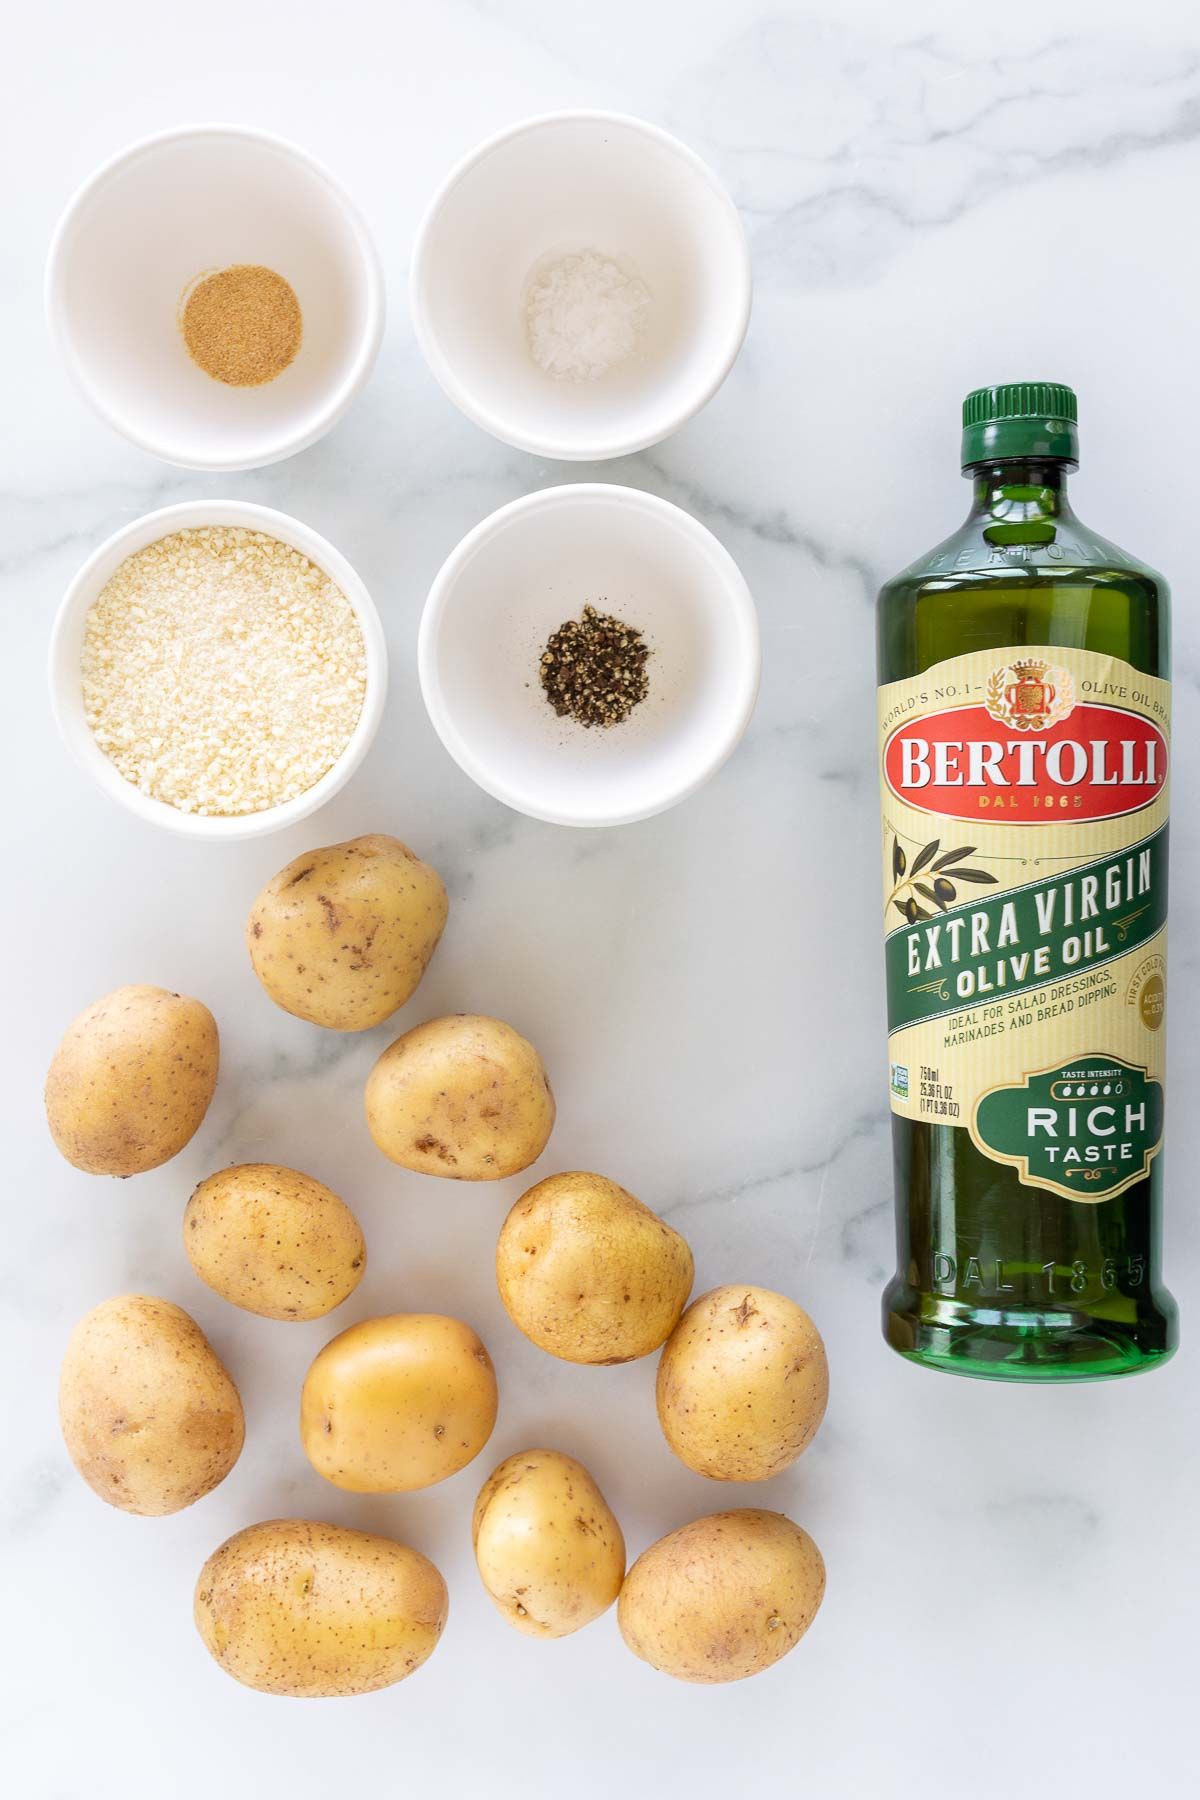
x,y
1025,901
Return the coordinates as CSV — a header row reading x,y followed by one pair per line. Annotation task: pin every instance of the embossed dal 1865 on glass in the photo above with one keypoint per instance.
x,y
1024,711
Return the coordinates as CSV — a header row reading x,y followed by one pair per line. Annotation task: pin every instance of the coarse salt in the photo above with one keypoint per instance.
x,y
188,623
584,315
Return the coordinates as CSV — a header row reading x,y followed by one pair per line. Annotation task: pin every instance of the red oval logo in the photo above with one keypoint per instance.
x,y
1019,760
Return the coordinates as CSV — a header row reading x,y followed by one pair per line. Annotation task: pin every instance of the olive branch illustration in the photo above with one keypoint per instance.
x,y
930,877
995,694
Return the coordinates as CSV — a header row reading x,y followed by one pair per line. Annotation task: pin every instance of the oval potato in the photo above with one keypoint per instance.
x,y
590,1274
273,1241
723,1597
343,935
295,1607
131,1081
742,1384
398,1403
550,1553
465,1097
151,1416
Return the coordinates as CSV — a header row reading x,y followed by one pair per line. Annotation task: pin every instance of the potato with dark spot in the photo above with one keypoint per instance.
x,y
151,1416
342,936
398,1403
273,1241
131,1081
550,1552
296,1607
742,1384
723,1597
589,1273
464,1097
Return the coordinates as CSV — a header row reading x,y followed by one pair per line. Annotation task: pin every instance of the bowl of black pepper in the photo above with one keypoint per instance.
x,y
589,654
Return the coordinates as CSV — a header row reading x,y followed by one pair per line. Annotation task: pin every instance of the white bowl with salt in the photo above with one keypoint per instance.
x,y
581,285
504,595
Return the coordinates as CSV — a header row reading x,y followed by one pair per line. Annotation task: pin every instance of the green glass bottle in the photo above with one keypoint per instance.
x,y
1024,751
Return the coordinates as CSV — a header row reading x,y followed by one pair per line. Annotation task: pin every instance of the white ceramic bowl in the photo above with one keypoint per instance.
x,y
565,183
66,647
183,204
535,563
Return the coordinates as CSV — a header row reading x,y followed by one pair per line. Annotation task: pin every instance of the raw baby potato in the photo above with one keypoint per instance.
x,y
273,1241
398,1403
465,1097
722,1598
151,1417
742,1384
131,1080
342,936
295,1607
549,1550
589,1273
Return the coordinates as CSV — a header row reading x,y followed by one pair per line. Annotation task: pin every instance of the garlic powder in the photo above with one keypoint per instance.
x,y
222,671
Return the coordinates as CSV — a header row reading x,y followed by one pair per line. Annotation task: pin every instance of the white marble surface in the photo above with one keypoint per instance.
x,y
937,196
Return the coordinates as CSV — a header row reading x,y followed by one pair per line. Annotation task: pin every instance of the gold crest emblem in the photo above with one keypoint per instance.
x,y
1030,695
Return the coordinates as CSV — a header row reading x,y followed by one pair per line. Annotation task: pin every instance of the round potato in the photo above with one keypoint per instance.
x,y
398,1403
295,1607
722,1598
131,1080
151,1417
464,1097
273,1241
742,1384
589,1273
549,1550
342,936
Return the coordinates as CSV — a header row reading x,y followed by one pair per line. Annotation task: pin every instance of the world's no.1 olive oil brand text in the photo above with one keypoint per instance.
x,y
1024,717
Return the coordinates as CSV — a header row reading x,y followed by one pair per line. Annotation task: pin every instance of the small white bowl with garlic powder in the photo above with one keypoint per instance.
x,y
218,668
581,285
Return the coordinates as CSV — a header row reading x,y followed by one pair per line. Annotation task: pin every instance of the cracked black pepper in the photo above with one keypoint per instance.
x,y
593,669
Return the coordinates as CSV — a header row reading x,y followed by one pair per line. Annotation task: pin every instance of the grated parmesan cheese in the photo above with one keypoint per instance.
x,y
223,672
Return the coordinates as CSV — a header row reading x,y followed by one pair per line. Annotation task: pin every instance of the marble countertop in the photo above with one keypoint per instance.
x,y
935,198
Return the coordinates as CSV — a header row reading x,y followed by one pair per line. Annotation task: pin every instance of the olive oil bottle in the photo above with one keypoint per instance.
x,y
1024,714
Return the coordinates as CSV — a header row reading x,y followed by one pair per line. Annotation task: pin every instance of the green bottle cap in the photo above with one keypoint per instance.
x,y
1019,419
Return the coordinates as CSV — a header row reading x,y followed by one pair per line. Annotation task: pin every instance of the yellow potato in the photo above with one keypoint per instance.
x,y
342,936
150,1414
131,1080
549,1551
398,1403
465,1097
589,1273
296,1607
273,1241
742,1384
722,1598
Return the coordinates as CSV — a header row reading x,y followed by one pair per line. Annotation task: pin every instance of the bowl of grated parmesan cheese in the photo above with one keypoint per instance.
x,y
581,285
218,668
